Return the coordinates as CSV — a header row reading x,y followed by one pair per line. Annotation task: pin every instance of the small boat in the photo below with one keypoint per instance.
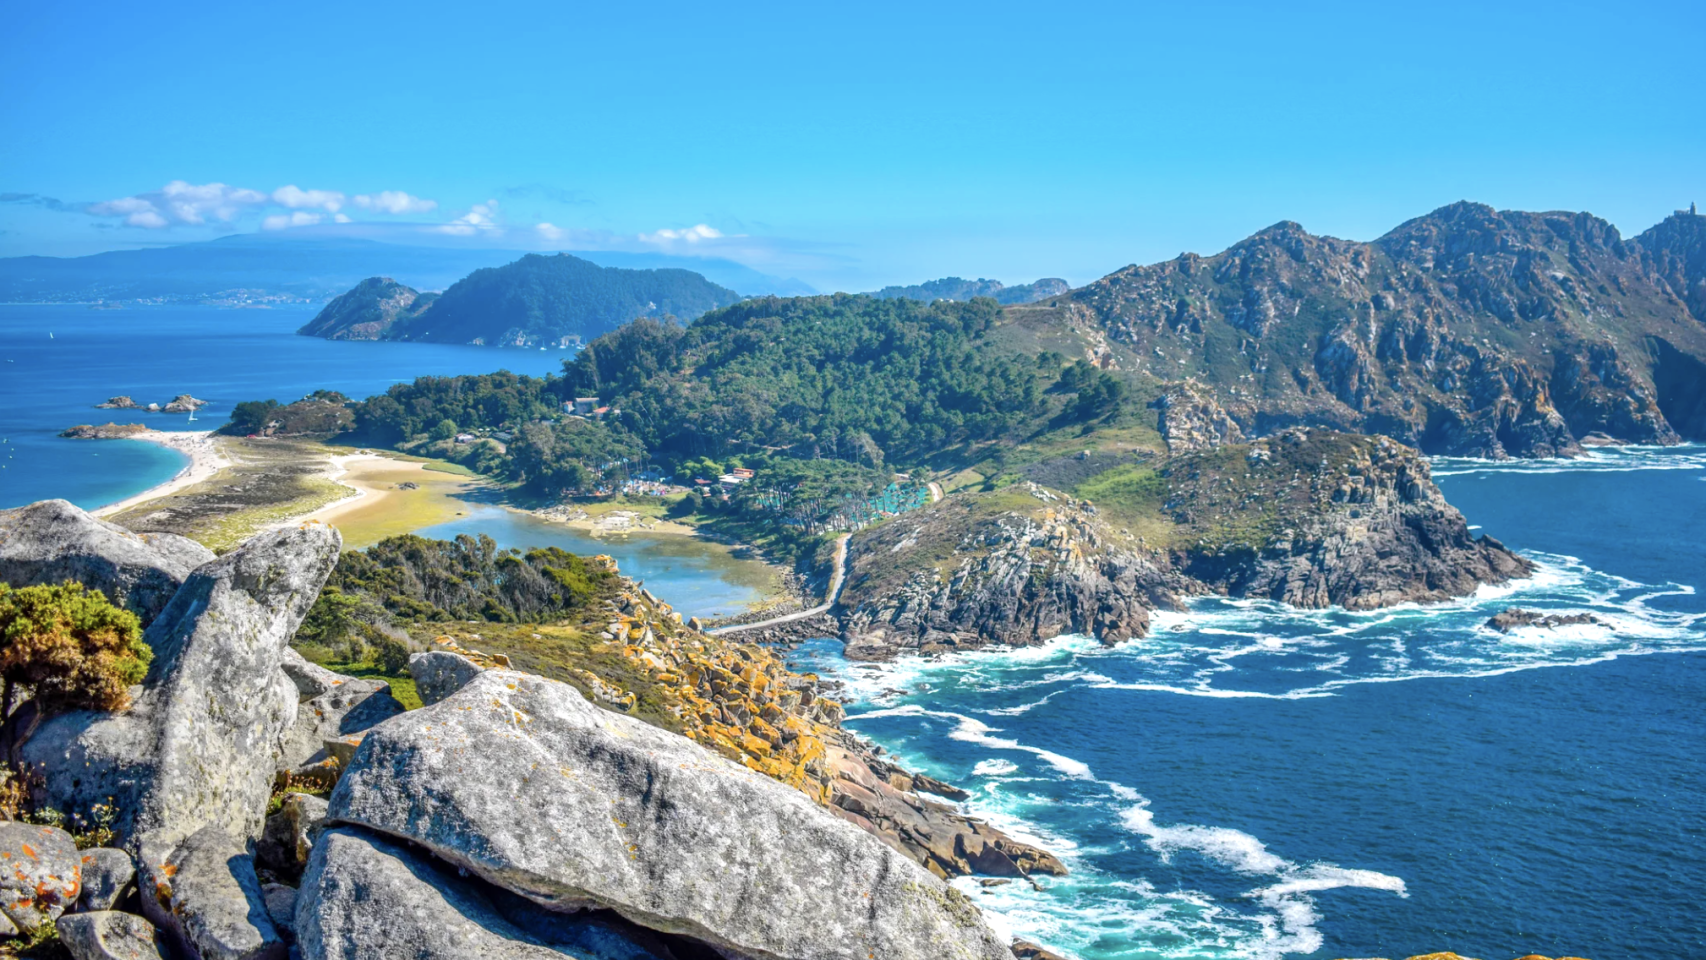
x,y
192,414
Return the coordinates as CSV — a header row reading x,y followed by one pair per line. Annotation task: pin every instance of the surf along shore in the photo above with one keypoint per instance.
x,y
236,487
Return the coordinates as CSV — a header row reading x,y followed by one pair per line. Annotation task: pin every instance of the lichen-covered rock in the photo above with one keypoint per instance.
x,y
203,894
53,541
523,782
40,874
110,935
107,874
366,897
440,673
199,744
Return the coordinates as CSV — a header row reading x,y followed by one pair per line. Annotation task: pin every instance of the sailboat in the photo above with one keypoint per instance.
x,y
192,414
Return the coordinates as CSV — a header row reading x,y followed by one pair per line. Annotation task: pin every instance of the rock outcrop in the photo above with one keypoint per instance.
x,y
103,431
110,935
1365,528
189,766
524,783
52,541
1191,419
1513,618
974,571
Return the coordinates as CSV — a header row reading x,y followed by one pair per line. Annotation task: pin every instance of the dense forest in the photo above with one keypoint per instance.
x,y
824,398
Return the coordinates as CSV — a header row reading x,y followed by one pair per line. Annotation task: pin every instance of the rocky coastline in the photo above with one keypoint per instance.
x,y
104,431
1307,518
182,403
558,820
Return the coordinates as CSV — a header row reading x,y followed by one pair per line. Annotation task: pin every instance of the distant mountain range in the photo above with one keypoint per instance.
x,y
536,301
954,288
262,267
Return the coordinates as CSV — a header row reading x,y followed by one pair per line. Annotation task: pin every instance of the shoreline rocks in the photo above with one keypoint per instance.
x,y
103,431
1513,618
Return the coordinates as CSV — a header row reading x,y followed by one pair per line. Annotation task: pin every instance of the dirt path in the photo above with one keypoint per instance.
x,y
835,581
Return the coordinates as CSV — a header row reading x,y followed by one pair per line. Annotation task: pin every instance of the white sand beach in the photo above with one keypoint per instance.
x,y
206,459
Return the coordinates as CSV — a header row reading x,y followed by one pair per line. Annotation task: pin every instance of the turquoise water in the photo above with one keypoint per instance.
x,y
698,579
155,353
1255,781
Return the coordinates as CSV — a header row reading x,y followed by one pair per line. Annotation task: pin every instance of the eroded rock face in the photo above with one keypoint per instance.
x,y
349,707
53,541
440,673
364,896
1015,579
107,874
523,782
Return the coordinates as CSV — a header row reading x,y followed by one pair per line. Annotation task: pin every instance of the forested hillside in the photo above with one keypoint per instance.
x,y
535,301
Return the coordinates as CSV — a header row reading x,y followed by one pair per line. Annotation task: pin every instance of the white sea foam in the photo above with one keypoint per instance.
x,y
994,768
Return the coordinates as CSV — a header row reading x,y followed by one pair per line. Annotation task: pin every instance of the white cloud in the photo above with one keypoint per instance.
x,y
181,202
341,218
694,234
281,221
550,231
295,198
393,201
480,218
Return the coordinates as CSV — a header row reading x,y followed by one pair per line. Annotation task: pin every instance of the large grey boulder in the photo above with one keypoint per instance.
x,y
199,745
41,875
204,896
53,541
107,874
440,673
110,935
365,897
521,781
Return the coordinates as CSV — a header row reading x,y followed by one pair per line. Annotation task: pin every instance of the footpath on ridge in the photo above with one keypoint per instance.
x,y
835,582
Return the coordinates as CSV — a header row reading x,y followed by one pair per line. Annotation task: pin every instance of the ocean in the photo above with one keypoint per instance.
x,y
1261,782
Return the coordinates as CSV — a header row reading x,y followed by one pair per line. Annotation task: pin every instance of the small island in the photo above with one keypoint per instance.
x,y
104,431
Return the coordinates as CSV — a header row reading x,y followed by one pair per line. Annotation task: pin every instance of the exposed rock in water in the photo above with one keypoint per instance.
x,y
52,541
184,403
1026,950
1513,617
532,788
117,403
103,431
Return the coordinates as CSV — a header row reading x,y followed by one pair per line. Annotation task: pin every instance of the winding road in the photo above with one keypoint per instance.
x,y
835,582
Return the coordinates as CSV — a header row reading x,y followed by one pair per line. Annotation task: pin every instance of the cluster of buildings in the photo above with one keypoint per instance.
x,y
587,407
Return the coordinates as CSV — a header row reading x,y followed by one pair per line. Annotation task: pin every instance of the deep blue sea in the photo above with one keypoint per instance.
x,y
1255,781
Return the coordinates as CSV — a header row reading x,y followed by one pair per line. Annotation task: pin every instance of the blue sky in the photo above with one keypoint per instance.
x,y
852,147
